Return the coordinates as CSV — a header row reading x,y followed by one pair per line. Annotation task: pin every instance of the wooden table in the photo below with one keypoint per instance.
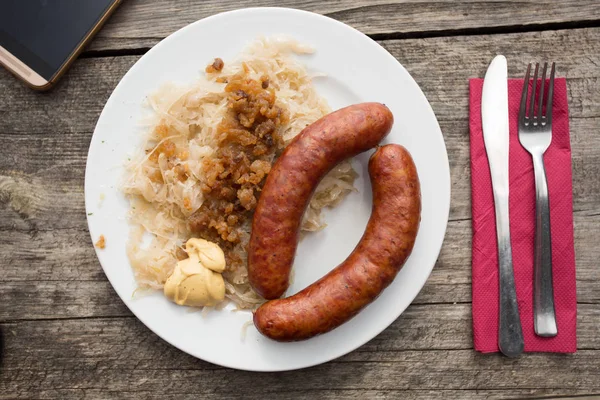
x,y
66,334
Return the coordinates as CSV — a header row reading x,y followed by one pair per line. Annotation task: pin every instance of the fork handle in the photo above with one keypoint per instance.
x,y
543,293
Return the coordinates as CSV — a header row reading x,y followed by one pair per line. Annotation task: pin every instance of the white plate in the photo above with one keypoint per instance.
x,y
358,70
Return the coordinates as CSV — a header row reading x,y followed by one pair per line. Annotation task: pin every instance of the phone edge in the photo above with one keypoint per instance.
x,y
47,84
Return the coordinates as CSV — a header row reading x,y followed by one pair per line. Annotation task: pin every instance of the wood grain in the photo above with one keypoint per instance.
x,y
141,24
136,392
459,57
66,334
44,277
123,355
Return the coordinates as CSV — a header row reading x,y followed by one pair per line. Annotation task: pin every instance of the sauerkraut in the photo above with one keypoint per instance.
x,y
164,181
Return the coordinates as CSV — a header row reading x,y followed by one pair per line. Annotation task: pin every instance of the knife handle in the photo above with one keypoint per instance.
x,y
510,334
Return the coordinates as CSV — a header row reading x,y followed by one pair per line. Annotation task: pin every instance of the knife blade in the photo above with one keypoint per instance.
x,y
494,117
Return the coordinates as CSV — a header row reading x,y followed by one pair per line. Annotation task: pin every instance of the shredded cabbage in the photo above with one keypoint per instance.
x,y
183,126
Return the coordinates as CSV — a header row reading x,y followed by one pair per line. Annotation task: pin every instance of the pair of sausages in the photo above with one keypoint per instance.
x,y
386,244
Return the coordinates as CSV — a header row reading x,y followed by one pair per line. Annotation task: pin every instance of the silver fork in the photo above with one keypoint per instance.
x,y
535,134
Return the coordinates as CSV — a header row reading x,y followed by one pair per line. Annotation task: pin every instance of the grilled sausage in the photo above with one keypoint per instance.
x,y
292,181
386,244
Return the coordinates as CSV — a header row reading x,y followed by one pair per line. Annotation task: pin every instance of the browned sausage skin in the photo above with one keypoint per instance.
x,y
292,181
382,251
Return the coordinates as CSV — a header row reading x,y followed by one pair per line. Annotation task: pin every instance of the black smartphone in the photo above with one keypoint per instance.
x,y
39,39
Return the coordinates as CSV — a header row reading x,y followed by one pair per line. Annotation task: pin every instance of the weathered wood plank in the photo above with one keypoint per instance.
x,y
299,395
421,327
55,274
56,130
72,107
441,66
60,299
48,255
122,355
306,394
143,23
41,181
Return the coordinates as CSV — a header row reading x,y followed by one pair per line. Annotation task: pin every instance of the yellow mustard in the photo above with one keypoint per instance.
x,y
197,281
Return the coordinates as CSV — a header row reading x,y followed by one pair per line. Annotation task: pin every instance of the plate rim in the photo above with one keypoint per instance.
x,y
445,207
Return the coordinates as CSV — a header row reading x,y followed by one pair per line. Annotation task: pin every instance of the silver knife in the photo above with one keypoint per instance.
x,y
494,116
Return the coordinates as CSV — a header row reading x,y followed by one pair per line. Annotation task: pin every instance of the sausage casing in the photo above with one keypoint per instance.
x,y
292,182
382,251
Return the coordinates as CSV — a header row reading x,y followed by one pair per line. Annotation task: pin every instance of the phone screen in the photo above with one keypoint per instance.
x,y
44,33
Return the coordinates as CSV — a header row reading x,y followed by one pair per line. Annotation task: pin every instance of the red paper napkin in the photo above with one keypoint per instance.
x,y
522,226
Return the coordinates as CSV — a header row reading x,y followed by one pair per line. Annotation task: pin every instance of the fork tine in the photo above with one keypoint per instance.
x,y
550,95
523,107
541,101
532,98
